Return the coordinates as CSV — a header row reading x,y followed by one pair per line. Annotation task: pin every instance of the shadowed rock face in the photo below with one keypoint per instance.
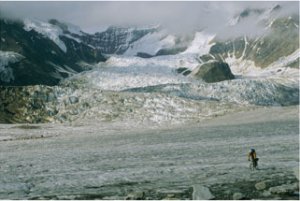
x,y
214,72
43,62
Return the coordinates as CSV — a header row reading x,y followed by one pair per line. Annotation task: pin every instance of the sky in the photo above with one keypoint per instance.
x,y
178,16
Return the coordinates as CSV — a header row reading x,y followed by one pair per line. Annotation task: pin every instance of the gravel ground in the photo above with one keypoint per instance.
x,y
110,161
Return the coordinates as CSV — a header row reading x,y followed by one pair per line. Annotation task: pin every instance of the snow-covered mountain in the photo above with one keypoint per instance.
x,y
149,74
147,41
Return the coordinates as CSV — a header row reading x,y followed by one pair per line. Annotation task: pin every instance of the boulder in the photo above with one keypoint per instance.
x,y
266,193
51,97
66,197
73,99
136,196
260,186
213,72
202,193
111,198
284,189
238,196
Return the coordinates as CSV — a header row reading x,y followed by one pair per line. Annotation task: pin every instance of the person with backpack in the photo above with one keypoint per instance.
x,y
252,157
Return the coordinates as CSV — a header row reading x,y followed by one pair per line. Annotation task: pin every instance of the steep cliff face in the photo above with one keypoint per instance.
x,y
46,54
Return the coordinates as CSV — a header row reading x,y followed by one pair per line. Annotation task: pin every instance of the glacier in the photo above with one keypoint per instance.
x,y
149,91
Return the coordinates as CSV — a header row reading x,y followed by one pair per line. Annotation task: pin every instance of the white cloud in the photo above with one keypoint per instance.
x,y
177,16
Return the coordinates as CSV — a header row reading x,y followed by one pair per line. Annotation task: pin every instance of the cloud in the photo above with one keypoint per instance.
x,y
177,16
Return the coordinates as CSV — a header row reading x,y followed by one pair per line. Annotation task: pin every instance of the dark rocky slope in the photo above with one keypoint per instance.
x,y
43,62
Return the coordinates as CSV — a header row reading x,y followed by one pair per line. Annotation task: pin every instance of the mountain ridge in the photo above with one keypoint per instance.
x,y
146,75
74,49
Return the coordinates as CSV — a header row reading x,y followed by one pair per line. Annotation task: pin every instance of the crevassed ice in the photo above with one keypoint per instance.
x,y
172,61
121,78
123,72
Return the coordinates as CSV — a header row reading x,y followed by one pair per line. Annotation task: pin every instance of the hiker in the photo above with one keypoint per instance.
x,y
252,157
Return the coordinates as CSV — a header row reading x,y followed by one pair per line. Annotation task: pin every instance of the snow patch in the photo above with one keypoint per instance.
x,y
46,29
151,44
278,70
73,38
286,60
201,44
6,73
59,69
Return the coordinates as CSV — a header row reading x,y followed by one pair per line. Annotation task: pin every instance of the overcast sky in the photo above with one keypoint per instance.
x,y
92,16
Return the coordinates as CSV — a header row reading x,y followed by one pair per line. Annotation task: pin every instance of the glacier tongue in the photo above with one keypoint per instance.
x,y
121,72
132,89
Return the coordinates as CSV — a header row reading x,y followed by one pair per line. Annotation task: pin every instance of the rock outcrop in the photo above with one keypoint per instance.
x,y
213,72
32,104
238,196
